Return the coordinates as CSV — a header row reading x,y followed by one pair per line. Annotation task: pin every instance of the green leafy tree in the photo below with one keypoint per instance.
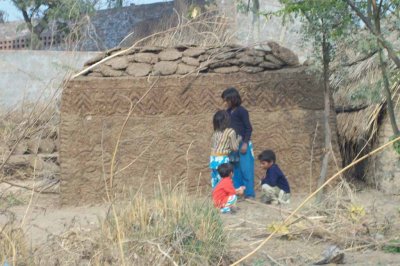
x,y
323,23
38,14
372,13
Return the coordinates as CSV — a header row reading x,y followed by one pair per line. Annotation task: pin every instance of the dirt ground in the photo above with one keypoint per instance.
x,y
43,218
248,228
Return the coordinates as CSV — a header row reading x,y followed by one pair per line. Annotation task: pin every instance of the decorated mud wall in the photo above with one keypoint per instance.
x,y
383,171
156,105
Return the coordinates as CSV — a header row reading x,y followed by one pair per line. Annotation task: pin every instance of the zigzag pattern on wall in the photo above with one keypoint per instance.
x,y
269,95
169,131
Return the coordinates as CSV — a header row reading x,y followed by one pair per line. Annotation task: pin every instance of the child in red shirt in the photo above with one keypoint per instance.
x,y
224,194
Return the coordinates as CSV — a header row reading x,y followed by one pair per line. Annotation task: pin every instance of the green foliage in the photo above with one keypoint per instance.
x,y
388,8
54,10
371,92
396,144
259,262
365,44
9,201
327,20
366,92
247,6
392,247
38,14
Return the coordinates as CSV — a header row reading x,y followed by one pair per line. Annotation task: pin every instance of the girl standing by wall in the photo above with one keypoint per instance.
x,y
223,141
240,122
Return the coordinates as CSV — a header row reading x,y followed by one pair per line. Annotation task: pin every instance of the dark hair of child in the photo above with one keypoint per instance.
x,y
225,170
267,156
221,120
232,96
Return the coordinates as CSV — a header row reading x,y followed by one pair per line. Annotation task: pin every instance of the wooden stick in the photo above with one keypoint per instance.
x,y
312,195
32,188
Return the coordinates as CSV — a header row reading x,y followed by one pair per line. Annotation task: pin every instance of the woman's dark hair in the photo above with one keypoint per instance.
x,y
232,96
221,120
267,156
225,169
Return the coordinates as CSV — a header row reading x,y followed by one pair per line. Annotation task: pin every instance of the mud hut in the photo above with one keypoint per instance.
x,y
156,105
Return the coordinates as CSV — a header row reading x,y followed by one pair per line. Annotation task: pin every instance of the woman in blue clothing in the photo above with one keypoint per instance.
x,y
240,122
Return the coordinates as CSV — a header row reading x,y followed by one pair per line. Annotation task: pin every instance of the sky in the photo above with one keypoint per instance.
x,y
13,14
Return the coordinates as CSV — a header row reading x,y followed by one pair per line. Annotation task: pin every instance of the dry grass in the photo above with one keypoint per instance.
x,y
170,229
13,246
344,220
287,221
22,127
173,228
208,28
23,130
353,222
26,122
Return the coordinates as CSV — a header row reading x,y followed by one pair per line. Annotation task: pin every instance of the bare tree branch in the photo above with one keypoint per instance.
x,y
381,39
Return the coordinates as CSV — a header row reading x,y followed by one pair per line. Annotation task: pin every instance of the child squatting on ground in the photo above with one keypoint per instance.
x,y
240,122
224,141
274,185
224,194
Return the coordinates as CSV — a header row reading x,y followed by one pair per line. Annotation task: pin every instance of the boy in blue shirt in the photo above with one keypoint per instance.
x,y
274,185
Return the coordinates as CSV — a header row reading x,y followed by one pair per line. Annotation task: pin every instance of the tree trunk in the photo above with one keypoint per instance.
x,y
388,95
382,65
119,3
35,43
35,31
327,108
2,16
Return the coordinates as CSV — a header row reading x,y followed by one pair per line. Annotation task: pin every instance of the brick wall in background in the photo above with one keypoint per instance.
x,y
111,26
20,43
106,29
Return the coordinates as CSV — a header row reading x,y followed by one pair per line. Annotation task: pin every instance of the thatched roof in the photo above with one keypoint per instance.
x,y
357,83
359,99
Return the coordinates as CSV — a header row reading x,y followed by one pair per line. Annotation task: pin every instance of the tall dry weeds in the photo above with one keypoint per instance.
x,y
23,127
13,246
173,228
207,28
288,220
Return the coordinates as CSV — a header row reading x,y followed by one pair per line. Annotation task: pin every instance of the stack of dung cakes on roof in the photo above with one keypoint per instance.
x,y
184,60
